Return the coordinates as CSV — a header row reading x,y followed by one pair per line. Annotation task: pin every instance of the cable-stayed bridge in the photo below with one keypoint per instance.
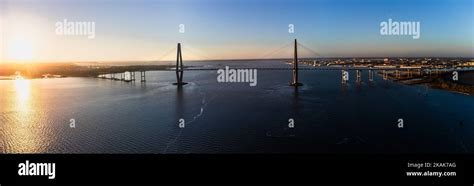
x,y
128,74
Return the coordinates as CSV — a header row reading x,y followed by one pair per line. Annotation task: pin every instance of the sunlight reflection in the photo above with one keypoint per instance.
x,y
22,92
24,138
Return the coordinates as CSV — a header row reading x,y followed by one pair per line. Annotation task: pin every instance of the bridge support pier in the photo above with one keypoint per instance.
x,y
359,76
344,76
295,82
371,75
385,75
142,76
179,68
132,76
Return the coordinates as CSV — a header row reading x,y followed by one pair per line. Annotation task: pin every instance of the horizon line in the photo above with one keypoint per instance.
x,y
226,59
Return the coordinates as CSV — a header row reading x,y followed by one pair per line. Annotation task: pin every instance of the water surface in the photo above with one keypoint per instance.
x,y
118,117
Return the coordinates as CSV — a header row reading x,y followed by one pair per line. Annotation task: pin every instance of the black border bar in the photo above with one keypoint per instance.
x,y
236,168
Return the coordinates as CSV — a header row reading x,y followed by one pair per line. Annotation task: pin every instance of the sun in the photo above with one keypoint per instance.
x,y
20,49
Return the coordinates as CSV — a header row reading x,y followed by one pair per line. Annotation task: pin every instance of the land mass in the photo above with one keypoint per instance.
x,y
42,70
441,80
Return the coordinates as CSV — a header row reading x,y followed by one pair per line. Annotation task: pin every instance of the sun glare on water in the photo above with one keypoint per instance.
x,y
22,89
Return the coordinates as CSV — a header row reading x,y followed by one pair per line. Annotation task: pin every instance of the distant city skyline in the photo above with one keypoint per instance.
x,y
127,30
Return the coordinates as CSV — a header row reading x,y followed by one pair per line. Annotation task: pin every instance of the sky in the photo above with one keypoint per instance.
x,y
140,30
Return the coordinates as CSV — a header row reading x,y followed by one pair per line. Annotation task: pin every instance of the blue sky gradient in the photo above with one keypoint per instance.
x,y
229,29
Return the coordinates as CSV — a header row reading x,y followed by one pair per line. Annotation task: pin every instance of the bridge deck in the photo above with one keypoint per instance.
x,y
334,68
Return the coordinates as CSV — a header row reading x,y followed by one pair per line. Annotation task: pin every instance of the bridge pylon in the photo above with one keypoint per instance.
x,y
295,82
179,67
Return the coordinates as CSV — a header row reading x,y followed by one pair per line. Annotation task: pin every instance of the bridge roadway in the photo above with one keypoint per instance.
x,y
121,72
328,68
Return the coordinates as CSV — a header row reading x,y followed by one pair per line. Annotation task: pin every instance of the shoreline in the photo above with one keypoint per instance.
x,y
444,82
38,71
53,71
